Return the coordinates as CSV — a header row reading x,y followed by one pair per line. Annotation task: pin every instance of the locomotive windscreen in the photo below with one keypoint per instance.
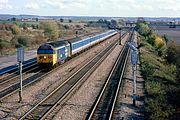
x,y
40,51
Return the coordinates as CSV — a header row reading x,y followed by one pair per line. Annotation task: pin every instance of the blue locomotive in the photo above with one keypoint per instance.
x,y
53,53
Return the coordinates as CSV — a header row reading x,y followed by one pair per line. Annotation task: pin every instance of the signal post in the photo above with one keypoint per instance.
x,y
20,59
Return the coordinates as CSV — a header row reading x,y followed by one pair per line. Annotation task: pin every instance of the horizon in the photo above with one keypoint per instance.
x,y
91,16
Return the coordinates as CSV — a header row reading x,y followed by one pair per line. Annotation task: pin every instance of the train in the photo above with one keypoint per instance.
x,y
51,54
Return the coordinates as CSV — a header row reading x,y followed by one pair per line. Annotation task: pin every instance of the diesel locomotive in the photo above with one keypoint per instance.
x,y
53,53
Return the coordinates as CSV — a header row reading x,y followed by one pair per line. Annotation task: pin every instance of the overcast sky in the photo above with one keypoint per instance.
x,y
116,8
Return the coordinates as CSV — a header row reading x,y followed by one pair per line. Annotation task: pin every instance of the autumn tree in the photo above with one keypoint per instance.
x,y
159,42
50,29
15,29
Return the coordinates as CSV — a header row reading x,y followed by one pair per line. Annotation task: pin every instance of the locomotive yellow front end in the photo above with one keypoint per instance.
x,y
46,57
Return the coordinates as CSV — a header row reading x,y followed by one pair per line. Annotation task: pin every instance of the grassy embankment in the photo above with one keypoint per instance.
x,y
162,101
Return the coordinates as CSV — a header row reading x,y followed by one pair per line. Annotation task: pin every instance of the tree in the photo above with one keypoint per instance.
x,y
15,29
34,26
100,21
50,29
61,20
113,22
159,43
173,53
23,41
13,19
66,27
165,38
70,21
143,29
151,36
4,44
25,26
37,19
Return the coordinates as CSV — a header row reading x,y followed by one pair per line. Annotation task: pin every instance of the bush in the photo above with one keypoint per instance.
x,y
147,69
50,29
34,26
23,41
153,87
151,36
143,29
165,38
159,43
161,85
173,69
158,109
66,27
15,29
173,53
173,56
4,44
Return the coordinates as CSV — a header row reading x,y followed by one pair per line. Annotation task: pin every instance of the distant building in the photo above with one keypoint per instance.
x,y
46,19
29,19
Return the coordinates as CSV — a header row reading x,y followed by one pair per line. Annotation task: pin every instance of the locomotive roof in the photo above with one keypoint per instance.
x,y
56,44
83,37
61,42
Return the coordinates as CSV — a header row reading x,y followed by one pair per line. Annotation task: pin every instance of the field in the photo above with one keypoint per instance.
x,y
172,33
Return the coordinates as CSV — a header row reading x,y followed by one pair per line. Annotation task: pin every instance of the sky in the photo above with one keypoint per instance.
x,y
109,8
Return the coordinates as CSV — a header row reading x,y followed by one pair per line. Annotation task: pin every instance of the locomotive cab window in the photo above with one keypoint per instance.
x,y
49,51
41,51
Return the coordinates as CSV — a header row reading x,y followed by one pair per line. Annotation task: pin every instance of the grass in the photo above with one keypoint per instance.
x,y
161,85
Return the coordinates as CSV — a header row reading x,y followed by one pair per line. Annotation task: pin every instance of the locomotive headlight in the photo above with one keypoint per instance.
x,y
44,57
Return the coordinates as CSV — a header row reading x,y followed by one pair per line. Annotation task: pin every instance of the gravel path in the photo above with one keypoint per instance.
x,y
77,107
11,109
124,106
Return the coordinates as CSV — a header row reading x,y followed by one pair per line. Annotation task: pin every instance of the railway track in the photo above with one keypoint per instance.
x,y
59,95
15,74
8,88
13,68
11,85
104,105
